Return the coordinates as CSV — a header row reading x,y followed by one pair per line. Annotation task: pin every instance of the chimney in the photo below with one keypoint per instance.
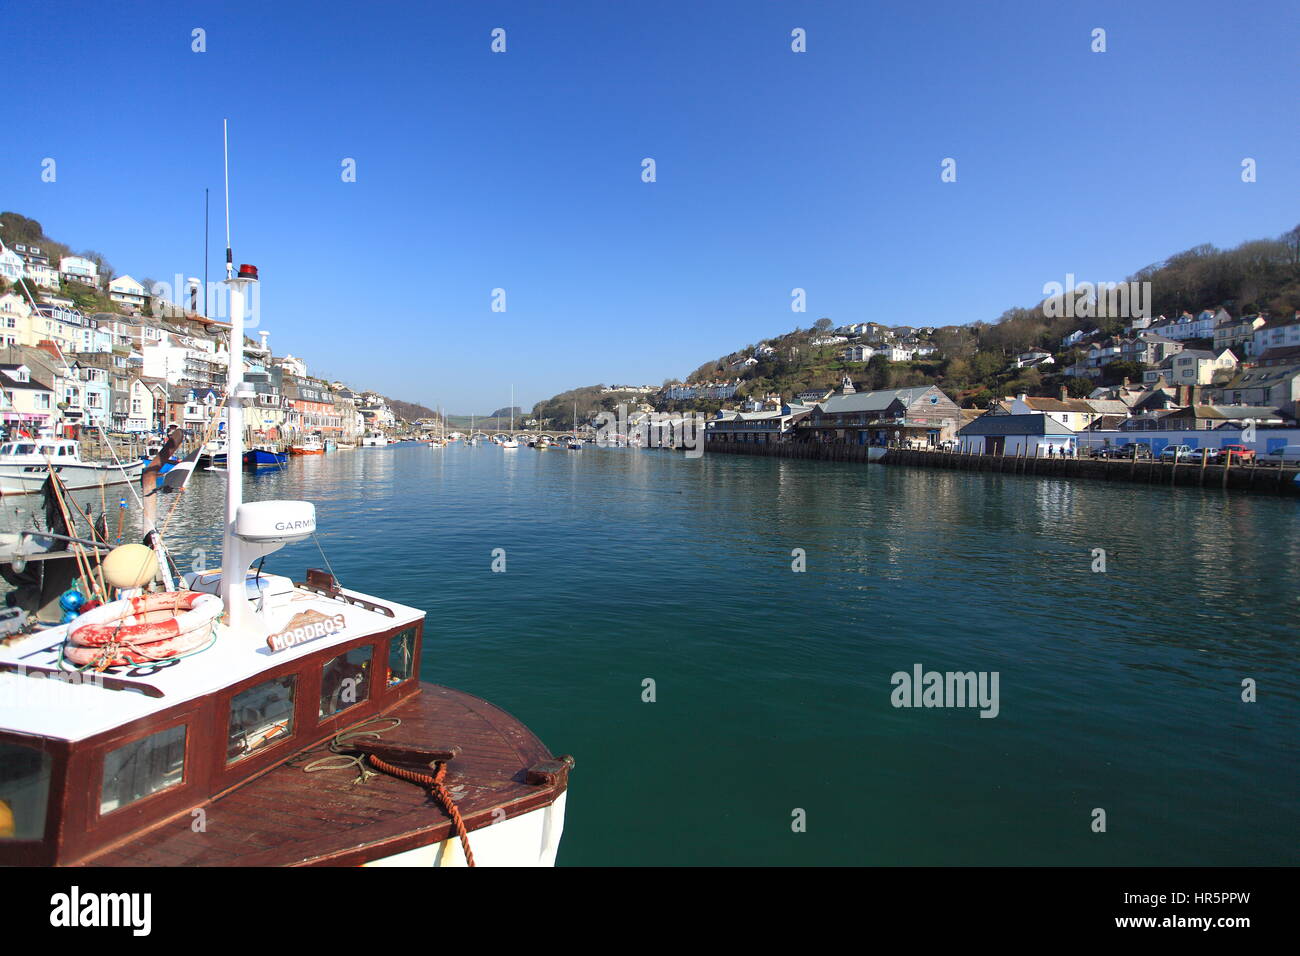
x,y
265,335
1065,393
1125,382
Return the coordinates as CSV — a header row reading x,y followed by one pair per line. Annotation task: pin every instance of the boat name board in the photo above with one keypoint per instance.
x,y
304,627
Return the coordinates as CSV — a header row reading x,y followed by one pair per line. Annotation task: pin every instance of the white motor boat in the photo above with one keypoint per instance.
x,y
25,464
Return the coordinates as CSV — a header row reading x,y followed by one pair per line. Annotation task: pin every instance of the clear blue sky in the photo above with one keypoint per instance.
x,y
523,170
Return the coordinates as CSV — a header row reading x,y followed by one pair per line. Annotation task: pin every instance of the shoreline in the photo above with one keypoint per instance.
x,y
1249,478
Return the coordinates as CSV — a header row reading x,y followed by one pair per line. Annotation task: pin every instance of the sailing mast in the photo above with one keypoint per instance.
x,y
233,593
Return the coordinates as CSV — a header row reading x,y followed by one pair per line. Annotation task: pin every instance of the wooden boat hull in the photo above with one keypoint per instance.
x,y
306,451
508,787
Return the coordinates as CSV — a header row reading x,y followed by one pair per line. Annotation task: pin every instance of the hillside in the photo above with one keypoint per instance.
x,y
972,362
409,411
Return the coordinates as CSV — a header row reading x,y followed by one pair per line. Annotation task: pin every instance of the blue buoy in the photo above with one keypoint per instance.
x,y
68,617
71,601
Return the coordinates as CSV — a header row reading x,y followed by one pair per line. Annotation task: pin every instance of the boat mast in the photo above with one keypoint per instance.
x,y
233,593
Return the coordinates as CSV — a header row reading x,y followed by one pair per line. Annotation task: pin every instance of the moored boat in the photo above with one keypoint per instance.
x,y
264,456
308,446
294,713
25,463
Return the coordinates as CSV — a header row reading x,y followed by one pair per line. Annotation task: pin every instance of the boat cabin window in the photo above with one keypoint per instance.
x,y
401,656
345,680
260,716
6,449
135,770
25,449
24,792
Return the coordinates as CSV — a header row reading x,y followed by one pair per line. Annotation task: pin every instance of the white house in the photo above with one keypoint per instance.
x,y
79,269
1193,367
12,267
126,291
14,313
858,353
1031,435
37,266
1277,334
1033,358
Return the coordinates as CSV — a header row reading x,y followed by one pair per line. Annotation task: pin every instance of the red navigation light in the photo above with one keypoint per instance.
x,y
247,272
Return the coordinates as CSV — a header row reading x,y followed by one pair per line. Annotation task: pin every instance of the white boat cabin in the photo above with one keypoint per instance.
x,y
25,450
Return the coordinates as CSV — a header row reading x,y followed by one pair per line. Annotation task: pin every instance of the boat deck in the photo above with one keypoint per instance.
x,y
288,817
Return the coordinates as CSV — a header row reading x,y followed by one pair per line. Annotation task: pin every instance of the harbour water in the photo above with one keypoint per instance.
x,y
1119,689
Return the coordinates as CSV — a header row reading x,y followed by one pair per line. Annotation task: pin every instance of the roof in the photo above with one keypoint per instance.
x,y
1281,354
875,401
1036,424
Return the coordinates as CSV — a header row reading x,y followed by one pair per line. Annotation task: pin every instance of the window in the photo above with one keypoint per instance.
x,y
260,716
24,792
142,767
345,680
401,656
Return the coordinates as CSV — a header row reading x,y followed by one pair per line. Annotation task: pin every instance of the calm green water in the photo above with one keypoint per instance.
x,y
1118,690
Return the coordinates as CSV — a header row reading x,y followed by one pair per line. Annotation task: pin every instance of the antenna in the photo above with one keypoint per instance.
x,y
225,146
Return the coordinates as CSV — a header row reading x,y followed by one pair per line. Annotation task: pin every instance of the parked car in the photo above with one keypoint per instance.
x,y
1126,452
1239,453
1177,453
1286,455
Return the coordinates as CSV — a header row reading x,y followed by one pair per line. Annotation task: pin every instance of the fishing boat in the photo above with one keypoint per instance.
x,y
25,464
374,440
264,456
310,445
291,712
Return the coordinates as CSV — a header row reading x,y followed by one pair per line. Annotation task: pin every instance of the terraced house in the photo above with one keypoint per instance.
x,y
310,407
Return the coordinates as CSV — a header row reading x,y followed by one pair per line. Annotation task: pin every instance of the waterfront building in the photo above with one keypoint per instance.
x,y
768,426
1074,414
921,414
147,405
1031,435
25,402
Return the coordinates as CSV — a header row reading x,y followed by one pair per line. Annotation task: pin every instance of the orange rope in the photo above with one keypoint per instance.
x,y
437,789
